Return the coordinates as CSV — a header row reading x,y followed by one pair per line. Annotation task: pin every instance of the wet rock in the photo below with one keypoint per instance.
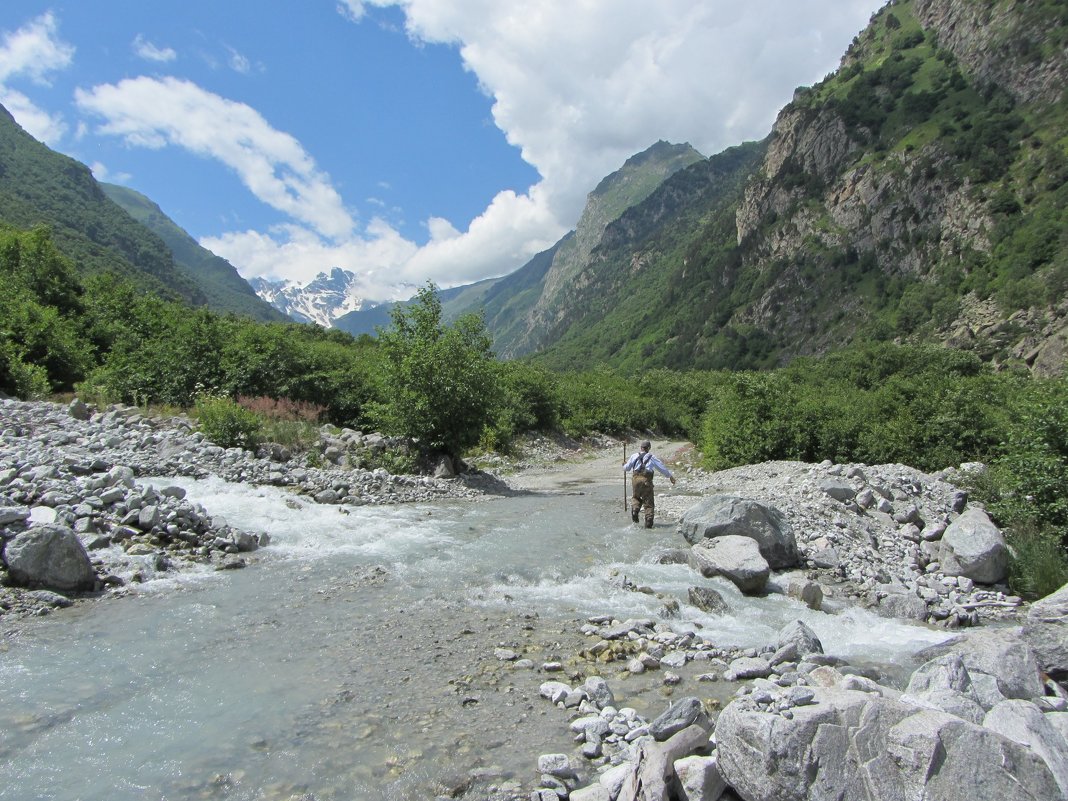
x,y
49,557
734,557
721,515
708,600
803,638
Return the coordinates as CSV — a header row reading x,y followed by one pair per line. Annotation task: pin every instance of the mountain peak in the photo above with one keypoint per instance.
x,y
321,300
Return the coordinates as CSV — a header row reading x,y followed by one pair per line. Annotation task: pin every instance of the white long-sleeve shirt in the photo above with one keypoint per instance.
x,y
643,460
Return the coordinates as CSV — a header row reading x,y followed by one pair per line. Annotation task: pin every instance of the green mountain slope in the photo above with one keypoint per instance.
x,y
220,282
41,187
649,293
515,305
919,193
524,306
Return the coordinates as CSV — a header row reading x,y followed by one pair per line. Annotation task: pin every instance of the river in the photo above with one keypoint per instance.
x,y
354,659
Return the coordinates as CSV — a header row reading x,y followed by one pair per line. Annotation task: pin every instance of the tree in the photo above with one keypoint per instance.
x,y
441,384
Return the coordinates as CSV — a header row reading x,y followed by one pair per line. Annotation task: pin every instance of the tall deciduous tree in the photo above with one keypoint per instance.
x,y
441,386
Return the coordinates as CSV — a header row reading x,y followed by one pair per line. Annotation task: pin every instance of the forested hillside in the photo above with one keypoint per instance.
x,y
219,280
39,187
112,229
917,194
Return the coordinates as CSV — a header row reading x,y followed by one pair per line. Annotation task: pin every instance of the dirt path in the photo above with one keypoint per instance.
x,y
574,469
591,466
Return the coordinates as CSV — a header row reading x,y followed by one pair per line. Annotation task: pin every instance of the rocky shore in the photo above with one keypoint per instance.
x,y
984,716
77,523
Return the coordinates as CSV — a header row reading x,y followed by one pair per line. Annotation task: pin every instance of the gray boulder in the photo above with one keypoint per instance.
x,y
734,557
902,605
1004,655
653,777
51,557
684,712
1024,723
599,691
708,600
951,702
973,546
722,515
851,744
838,489
944,673
800,636
699,778
1046,631
78,410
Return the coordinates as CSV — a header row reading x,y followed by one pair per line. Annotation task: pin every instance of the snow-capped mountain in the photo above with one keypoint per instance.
x,y
321,301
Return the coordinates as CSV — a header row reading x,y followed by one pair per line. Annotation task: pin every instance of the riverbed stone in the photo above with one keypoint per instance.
x,y
734,557
1024,723
1046,631
684,712
850,739
1004,655
599,692
802,637
51,557
699,778
722,515
708,600
973,546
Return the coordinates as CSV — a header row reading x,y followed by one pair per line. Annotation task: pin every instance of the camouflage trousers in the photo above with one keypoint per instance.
x,y
642,487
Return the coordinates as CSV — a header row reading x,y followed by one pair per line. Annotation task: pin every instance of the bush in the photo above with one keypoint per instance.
x,y
1039,565
17,378
439,382
226,423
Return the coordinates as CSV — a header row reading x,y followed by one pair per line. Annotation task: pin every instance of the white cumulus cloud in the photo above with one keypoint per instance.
x,y
34,52
377,256
580,87
157,112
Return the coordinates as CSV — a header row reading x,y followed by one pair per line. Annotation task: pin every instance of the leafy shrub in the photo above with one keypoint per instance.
x,y
226,423
439,383
17,378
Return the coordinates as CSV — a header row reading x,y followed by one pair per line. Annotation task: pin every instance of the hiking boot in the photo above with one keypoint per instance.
x,y
648,522
634,515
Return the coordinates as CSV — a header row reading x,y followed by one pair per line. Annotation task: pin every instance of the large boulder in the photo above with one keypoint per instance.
x,y
722,515
1046,631
1005,657
735,558
51,557
1024,722
852,744
974,547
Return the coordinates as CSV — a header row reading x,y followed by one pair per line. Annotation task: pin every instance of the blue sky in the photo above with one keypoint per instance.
x,y
406,140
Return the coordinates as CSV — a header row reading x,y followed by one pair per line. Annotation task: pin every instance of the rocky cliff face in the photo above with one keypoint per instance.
x,y
1003,43
914,206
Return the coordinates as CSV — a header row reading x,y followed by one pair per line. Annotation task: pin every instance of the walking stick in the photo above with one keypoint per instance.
x,y
624,476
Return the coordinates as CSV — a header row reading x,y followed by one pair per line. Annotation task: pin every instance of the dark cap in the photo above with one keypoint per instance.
x,y
646,445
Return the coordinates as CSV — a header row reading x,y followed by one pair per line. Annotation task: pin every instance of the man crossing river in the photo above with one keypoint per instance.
x,y
642,464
